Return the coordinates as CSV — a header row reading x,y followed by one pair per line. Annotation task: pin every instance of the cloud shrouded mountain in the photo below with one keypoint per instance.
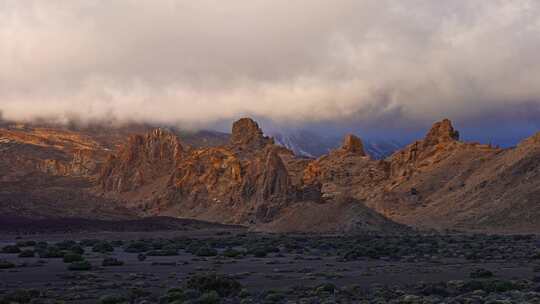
x,y
195,63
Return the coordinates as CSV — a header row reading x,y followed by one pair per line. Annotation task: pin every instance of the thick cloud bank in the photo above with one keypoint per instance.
x,y
200,61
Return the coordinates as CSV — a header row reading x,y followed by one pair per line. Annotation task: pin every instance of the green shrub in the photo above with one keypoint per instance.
x,y
77,249
65,245
112,299
89,242
138,247
211,297
72,257
41,244
27,253
481,273
232,253
26,243
259,252
20,296
103,247
206,252
50,252
107,262
80,266
6,264
224,286
174,295
11,249
164,252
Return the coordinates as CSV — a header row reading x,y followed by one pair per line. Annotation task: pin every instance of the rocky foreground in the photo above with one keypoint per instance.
x,y
232,266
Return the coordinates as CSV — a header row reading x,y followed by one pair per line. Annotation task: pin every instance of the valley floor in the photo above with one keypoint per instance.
x,y
224,265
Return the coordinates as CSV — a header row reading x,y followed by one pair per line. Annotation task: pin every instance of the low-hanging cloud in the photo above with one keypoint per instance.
x,y
198,62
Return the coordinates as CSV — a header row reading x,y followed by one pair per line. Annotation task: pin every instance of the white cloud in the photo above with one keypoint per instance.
x,y
195,62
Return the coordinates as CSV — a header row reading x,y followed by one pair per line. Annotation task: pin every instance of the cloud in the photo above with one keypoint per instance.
x,y
198,62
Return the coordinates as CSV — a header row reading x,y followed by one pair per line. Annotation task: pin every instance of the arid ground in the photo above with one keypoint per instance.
x,y
232,265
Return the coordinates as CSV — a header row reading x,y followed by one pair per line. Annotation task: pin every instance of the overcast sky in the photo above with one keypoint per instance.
x,y
295,62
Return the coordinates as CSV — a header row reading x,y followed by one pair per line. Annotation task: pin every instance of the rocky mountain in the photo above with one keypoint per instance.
x,y
250,179
309,144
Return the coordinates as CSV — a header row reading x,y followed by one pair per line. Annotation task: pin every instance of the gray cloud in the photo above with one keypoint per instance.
x,y
198,62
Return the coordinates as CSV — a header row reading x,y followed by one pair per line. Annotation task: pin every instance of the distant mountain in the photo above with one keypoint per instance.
x,y
310,144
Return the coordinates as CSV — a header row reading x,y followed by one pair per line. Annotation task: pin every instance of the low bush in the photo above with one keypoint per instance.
x,y
103,247
72,257
11,249
206,252
107,262
6,264
222,285
27,253
113,299
481,273
51,252
80,266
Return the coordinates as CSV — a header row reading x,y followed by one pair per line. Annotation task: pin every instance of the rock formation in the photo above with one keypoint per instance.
x,y
353,144
436,182
246,134
142,160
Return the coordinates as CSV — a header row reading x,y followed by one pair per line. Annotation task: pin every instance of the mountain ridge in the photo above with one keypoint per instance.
x,y
250,179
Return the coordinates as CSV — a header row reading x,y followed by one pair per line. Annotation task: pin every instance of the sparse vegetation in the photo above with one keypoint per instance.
x,y
11,249
80,266
222,285
6,264
108,262
72,257
27,253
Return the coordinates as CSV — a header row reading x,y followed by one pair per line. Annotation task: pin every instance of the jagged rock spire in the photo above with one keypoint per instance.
x,y
353,144
440,132
246,132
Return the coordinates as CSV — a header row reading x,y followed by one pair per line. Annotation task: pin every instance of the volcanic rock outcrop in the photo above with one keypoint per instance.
x,y
353,144
141,161
49,172
437,182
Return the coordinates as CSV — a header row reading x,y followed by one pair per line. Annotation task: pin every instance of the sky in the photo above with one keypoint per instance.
x,y
376,67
